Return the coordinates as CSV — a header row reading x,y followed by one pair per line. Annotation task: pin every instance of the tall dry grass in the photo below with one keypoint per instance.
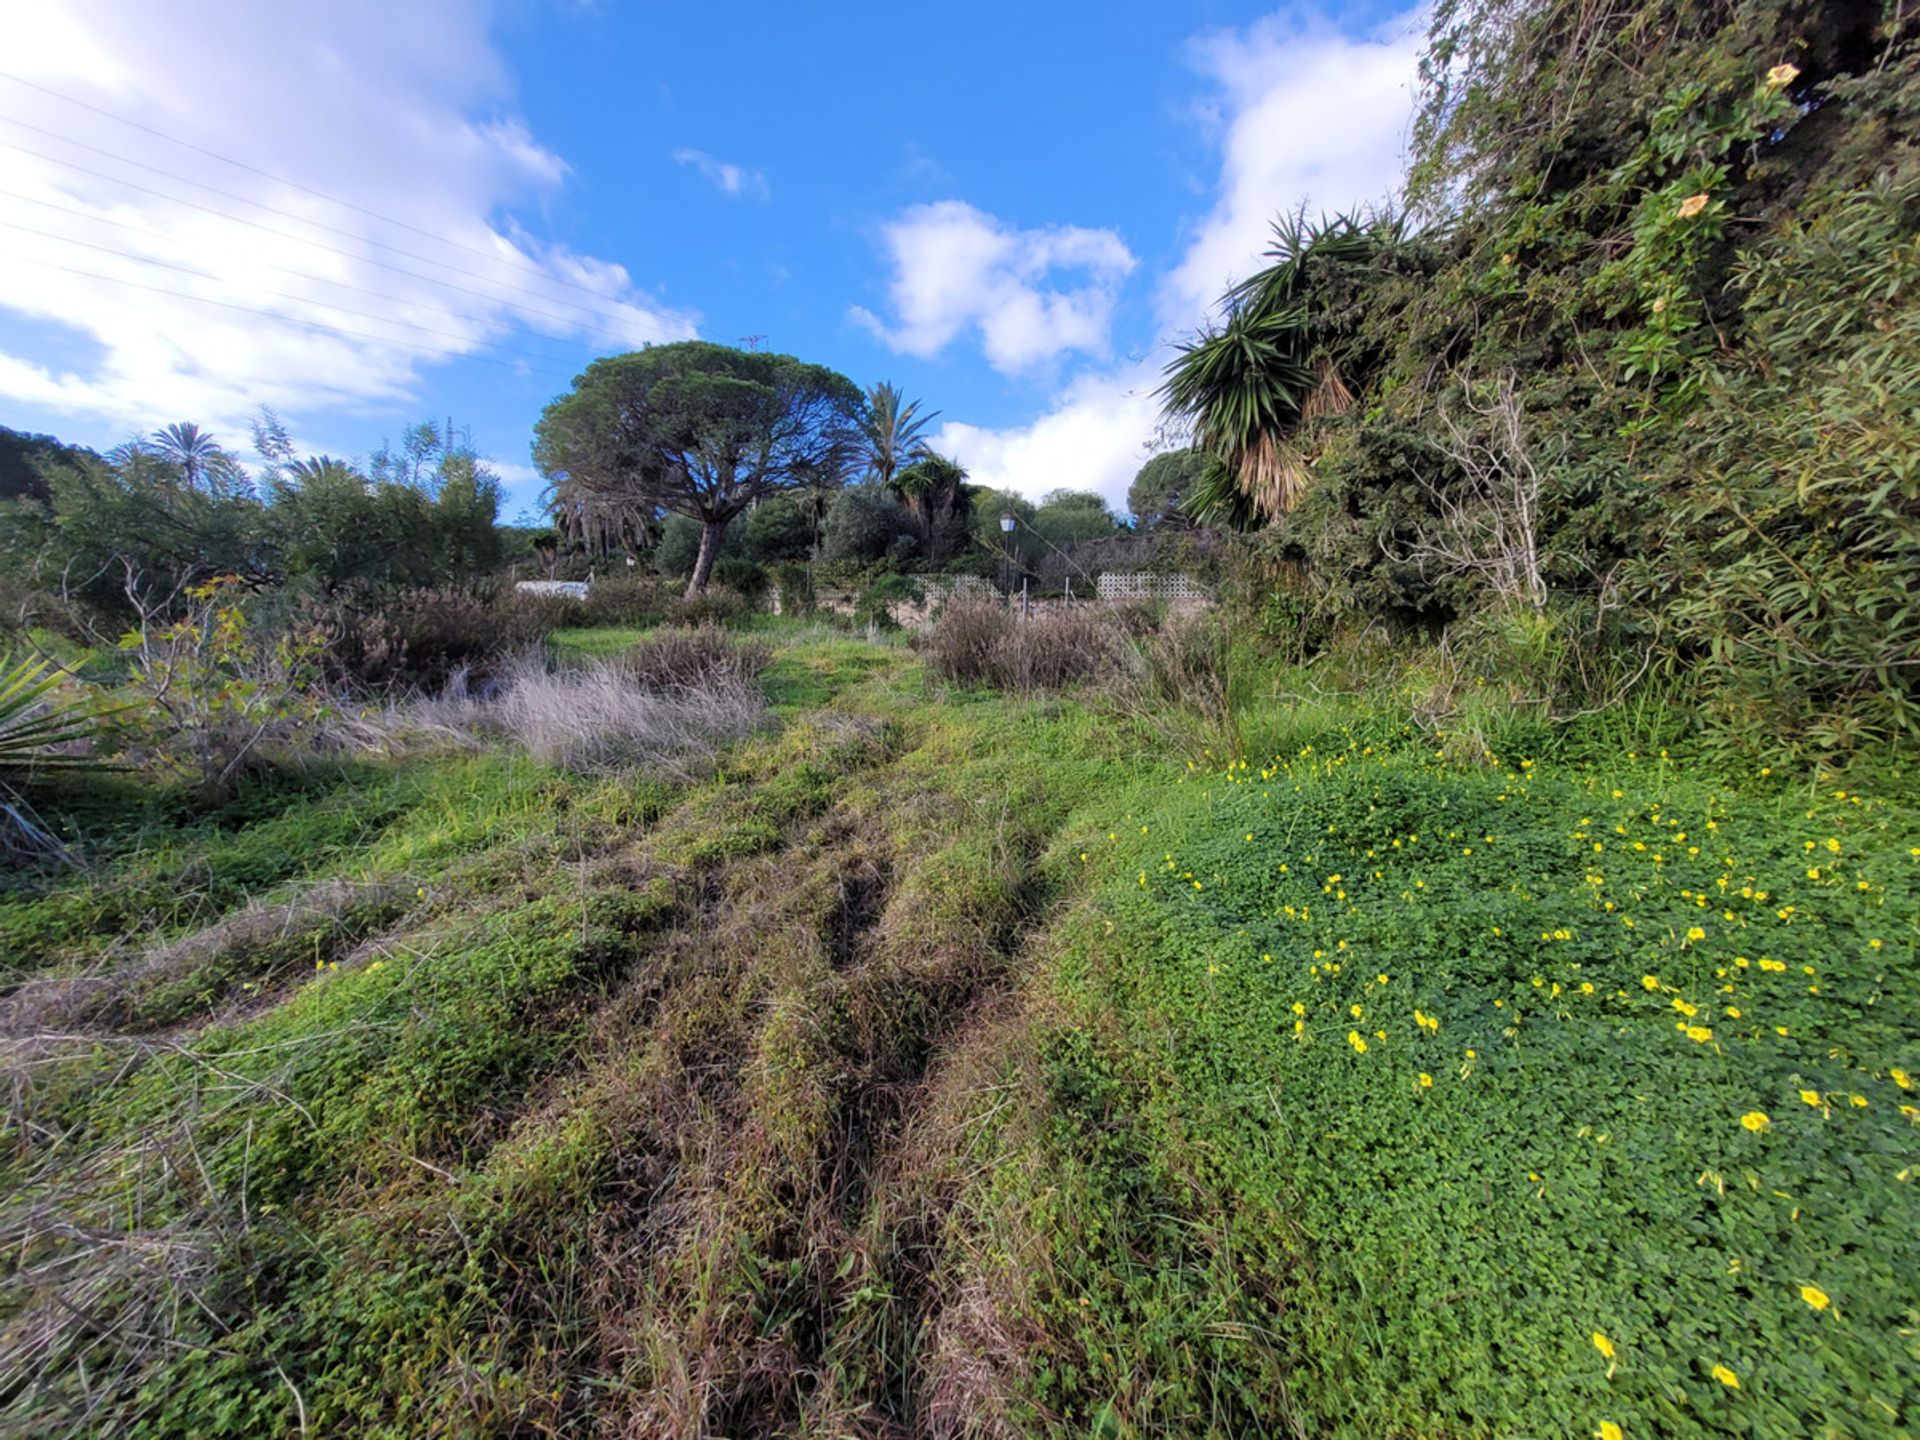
x,y
669,706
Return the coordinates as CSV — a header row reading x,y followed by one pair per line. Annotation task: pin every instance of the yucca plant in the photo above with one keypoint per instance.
x,y
1249,382
33,727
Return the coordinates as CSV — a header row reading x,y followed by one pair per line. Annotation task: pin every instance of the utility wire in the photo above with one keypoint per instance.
x,y
282,294
289,215
337,330
509,305
263,174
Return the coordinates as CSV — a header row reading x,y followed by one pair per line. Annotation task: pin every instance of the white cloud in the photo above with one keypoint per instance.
x,y
520,485
1305,116
1094,438
956,267
730,179
205,313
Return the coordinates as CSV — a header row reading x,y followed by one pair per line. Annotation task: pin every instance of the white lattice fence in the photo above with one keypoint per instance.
x,y
1150,585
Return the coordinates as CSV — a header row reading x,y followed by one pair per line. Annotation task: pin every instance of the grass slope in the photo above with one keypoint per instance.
x,y
956,1065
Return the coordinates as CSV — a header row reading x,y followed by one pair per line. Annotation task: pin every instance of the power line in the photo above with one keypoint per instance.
x,y
337,330
298,219
280,294
510,305
265,175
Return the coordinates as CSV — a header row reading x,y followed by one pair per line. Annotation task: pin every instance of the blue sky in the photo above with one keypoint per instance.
x,y
366,214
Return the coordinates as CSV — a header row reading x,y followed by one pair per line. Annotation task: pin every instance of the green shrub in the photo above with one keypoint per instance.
x,y
746,578
716,605
385,639
862,525
794,582
779,530
630,599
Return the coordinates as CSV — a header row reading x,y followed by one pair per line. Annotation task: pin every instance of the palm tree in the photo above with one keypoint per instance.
x,y
892,431
321,468
197,453
929,488
1247,384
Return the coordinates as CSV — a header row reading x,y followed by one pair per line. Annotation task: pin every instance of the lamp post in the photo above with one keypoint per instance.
x,y
1006,546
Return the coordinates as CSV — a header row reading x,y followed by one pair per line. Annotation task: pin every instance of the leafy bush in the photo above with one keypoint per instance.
x,y
718,605
746,578
862,525
405,639
794,582
630,599
780,529
210,694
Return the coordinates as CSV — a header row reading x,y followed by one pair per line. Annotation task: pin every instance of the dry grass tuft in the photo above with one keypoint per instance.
x,y
978,642
693,658
670,711
268,939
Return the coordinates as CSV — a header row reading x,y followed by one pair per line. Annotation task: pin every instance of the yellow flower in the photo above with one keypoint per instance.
x,y
1726,1377
1696,933
1782,75
1693,205
1650,982
1426,1081
1359,1045
1609,1431
1756,1121
1811,1097
1603,1344
1699,1034
1815,1296
1859,1101
1902,1079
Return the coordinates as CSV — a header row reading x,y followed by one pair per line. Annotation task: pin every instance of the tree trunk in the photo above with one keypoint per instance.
x,y
710,533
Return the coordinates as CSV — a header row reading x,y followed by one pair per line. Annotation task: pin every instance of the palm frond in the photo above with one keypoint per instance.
x,y
32,725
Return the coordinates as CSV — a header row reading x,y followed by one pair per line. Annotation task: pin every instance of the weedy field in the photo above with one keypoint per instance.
x,y
947,1062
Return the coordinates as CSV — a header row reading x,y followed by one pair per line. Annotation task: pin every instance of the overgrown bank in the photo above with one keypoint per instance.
x,y
953,1063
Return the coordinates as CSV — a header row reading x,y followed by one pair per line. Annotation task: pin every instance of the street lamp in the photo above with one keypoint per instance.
x,y
1006,546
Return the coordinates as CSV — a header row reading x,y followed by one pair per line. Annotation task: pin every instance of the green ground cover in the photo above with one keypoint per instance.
x,y
951,1063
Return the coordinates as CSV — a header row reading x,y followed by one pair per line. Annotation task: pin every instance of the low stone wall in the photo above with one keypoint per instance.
x,y
571,589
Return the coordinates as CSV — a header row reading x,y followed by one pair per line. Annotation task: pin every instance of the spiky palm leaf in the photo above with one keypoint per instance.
x,y
1247,384
32,727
